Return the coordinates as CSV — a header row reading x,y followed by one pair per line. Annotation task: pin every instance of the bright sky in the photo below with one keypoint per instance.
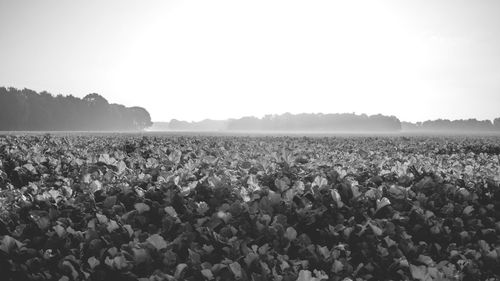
x,y
198,59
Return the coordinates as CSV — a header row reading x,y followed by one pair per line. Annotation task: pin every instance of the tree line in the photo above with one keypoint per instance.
x,y
345,122
27,110
445,125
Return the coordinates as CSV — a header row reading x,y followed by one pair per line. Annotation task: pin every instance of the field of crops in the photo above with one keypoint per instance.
x,y
249,208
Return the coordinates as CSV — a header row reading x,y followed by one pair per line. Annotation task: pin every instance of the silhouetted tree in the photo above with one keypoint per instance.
x,y
28,110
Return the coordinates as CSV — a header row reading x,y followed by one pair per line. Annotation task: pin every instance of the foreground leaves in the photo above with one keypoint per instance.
x,y
248,208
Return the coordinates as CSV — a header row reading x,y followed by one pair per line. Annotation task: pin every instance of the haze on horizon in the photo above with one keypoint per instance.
x,y
192,60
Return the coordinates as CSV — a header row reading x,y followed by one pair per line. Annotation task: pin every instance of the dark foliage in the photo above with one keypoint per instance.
x,y
240,208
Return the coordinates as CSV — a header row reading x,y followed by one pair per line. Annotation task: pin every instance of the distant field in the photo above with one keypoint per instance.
x,y
219,206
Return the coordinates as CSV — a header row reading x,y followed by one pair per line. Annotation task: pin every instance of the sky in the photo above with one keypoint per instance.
x,y
198,59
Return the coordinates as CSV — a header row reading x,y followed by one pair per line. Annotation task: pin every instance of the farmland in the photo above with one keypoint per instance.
x,y
177,207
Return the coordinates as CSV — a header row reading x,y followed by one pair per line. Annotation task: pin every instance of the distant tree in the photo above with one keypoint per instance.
x,y
28,110
178,125
245,123
140,117
318,122
445,125
496,123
